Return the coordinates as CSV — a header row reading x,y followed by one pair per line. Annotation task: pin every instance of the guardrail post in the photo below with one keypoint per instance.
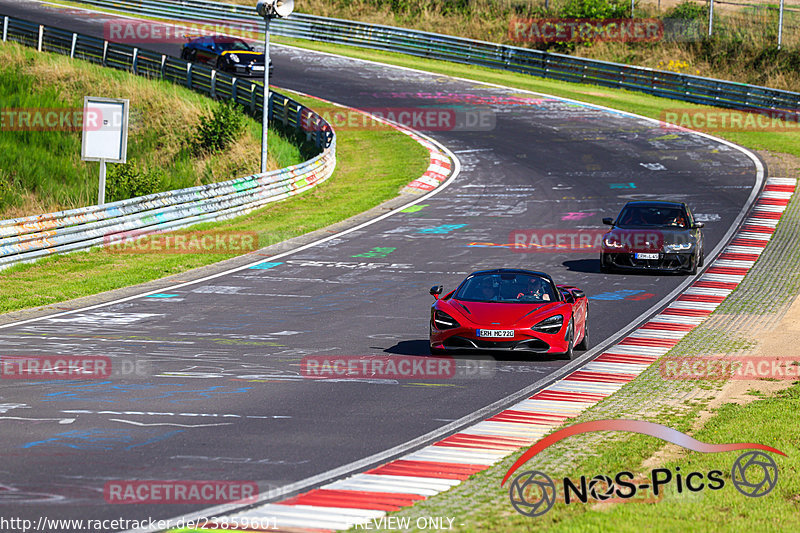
x,y
5,28
271,107
233,89
135,58
311,123
72,47
163,65
285,118
105,52
41,34
214,84
252,98
299,118
189,75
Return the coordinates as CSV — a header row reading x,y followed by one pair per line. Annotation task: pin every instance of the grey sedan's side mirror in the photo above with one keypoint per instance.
x,y
608,221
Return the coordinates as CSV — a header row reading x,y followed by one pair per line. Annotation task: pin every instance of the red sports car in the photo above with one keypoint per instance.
x,y
512,310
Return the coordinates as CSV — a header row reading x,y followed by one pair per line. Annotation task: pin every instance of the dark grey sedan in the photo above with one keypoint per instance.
x,y
649,235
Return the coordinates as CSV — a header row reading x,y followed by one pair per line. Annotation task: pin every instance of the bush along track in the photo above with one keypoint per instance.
x,y
363,499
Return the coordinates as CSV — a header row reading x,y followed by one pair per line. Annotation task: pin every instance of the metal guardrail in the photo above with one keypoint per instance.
x,y
29,238
666,84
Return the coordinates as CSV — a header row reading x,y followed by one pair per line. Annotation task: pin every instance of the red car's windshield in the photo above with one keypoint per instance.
x,y
506,288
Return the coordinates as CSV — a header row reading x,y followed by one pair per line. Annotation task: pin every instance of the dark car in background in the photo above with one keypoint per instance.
x,y
228,54
650,235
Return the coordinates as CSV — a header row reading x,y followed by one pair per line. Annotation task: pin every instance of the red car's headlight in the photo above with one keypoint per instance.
x,y
444,321
549,325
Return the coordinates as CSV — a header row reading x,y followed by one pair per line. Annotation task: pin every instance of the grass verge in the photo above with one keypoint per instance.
x,y
41,170
371,167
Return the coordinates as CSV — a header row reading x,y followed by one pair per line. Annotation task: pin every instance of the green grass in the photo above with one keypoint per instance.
x,y
481,504
42,170
769,420
371,167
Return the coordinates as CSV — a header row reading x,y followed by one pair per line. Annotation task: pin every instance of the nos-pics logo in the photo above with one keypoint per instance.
x,y
533,493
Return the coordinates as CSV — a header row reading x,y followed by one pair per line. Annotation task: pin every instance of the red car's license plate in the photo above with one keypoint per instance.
x,y
495,332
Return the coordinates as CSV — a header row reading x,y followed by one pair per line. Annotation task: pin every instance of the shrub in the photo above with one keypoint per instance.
x,y
127,180
688,10
218,130
596,9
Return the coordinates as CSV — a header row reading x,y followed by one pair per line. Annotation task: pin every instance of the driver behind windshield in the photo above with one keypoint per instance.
x,y
487,290
534,289
676,218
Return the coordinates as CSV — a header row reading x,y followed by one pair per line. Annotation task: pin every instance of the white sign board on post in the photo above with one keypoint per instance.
x,y
105,134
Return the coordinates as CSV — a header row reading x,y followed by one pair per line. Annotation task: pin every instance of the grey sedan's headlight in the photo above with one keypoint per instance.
x,y
549,325
678,247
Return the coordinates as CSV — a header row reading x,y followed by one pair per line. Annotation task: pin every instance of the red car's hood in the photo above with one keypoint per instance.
x,y
501,314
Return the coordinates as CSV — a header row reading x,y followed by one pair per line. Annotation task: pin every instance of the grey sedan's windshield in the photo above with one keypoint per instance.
x,y
638,216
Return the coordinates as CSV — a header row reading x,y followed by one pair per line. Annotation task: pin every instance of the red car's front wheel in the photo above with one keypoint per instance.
x,y
570,338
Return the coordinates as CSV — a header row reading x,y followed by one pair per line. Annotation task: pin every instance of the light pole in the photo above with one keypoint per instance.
x,y
269,9
710,17
780,26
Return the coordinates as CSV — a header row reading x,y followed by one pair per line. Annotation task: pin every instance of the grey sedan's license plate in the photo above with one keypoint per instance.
x,y
495,332
646,256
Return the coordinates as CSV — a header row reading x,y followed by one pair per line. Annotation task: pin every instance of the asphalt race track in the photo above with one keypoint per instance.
x,y
219,393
